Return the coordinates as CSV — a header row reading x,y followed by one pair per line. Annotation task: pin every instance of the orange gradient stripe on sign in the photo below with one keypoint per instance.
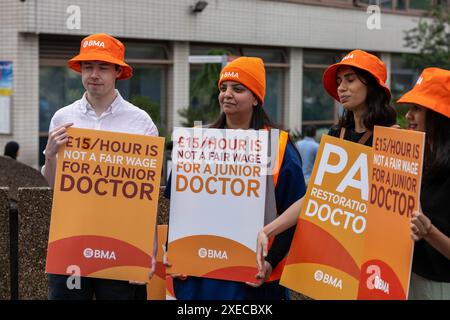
x,y
156,288
221,260
326,252
394,195
104,205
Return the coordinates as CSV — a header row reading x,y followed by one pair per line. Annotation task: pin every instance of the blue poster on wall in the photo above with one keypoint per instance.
x,y
6,77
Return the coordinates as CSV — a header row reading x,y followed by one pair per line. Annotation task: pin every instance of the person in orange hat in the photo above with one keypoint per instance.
x,y
429,112
242,87
358,82
101,63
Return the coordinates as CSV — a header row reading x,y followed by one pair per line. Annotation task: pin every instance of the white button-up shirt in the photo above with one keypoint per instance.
x,y
121,116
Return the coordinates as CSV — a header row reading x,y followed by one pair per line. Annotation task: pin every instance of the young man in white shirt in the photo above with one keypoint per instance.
x,y
101,63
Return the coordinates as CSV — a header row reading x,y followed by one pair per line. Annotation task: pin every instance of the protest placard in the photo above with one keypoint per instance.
x,y
394,195
104,205
326,252
217,202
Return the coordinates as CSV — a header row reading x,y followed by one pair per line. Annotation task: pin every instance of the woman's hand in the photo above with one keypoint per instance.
x,y
262,275
168,265
262,243
421,226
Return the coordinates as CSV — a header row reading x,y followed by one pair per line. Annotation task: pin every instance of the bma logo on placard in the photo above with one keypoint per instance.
x,y
89,253
212,254
320,276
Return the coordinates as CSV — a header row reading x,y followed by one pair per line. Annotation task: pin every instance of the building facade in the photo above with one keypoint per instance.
x,y
297,39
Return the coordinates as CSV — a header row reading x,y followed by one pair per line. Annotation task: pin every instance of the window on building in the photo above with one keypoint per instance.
x,y
416,7
410,6
318,108
60,86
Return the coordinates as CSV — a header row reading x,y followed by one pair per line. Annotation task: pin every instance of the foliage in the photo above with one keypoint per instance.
x,y
431,38
204,94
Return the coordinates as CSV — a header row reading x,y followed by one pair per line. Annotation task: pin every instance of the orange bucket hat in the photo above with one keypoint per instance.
x,y
432,91
102,47
248,71
361,60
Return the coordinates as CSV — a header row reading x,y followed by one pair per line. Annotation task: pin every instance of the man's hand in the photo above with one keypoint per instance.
x,y
56,138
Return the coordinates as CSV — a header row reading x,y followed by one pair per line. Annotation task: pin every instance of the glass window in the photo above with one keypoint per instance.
x,y
370,2
273,101
199,50
146,89
402,77
419,4
268,55
58,87
320,58
318,107
400,4
386,4
317,104
204,104
142,50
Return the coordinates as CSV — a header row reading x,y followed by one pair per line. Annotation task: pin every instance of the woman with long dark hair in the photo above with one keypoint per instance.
x,y
358,82
429,112
242,87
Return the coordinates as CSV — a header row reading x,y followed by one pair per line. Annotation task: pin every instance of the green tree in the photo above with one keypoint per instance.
x,y
153,110
431,38
204,93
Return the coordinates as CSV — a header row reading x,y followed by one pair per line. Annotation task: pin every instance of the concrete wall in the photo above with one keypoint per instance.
x,y
34,223
5,292
254,22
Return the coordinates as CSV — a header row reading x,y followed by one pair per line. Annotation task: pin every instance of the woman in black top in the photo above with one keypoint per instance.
x,y
358,83
430,112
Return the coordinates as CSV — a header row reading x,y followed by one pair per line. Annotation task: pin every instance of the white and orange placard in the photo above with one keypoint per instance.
x,y
327,249
156,287
217,202
104,205
394,195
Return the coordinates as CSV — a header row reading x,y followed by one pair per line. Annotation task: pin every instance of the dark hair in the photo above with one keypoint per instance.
x,y
436,163
380,112
11,149
310,131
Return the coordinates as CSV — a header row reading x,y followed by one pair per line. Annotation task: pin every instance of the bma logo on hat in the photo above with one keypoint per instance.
x,y
230,74
349,56
93,43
